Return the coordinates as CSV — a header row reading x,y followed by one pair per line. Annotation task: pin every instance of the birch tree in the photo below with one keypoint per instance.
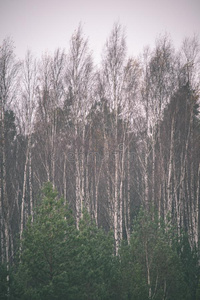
x,y
79,79
113,68
159,82
28,107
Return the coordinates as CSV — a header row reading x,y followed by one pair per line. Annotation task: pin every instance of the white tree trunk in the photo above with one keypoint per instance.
x,y
128,229
196,225
169,179
148,269
116,208
30,181
64,179
24,193
77,189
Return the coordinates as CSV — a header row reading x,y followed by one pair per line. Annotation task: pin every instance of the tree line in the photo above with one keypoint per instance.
x,y
110,139
59,261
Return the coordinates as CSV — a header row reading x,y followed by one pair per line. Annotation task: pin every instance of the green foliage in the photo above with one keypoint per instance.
x,y
59,262
8,287
46,249
189,260
3,282
93,262
151,252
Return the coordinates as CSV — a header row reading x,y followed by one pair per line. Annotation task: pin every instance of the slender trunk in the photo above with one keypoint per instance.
x,y
146,155
87,191
189,211
81,183
24,192
53,151
64,179
11,242
97,180
164,289
176,198
7,247
116,199
1,212
5,205
77,191
193,193
116,208
153,167
30,181
196,235
108,186
169,180
159,200
128,230
78,183
1,229
181,192
96,191
1,176
5,200
121,210
89,184
122,155
162,201
146,182
82,173
93,194
148,269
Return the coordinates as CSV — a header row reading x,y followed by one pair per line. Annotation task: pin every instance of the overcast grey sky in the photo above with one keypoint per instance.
x,y
42,25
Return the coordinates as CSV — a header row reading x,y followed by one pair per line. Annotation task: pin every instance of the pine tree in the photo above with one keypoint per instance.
x,y
46,249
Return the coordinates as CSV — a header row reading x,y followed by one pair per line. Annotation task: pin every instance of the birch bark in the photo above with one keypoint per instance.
x,y
79,78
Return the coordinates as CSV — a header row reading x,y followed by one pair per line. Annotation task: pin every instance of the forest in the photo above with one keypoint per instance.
x,y
100,172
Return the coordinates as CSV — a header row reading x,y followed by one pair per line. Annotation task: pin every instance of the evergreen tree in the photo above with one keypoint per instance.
x,y
46,250
94,264
59,262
